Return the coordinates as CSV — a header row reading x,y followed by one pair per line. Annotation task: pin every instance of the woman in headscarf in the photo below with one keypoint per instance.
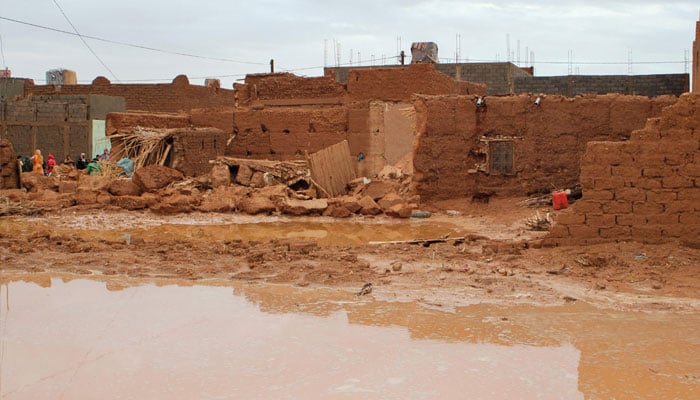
x,y
38,162
50,164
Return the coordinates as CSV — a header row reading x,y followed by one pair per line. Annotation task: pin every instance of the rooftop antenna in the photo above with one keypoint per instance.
x,y
338,54
335,52
527,57
507,46
629,61
517,59
685,61
325,53
570,61
532,59
458,48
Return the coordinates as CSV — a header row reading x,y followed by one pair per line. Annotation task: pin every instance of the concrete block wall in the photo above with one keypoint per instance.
x,y
646,189
644,85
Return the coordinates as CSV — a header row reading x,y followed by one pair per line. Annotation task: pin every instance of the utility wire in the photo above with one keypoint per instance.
x,y
138,46
84,42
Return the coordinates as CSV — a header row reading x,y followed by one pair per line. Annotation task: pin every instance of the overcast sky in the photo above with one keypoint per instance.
x,y
301,35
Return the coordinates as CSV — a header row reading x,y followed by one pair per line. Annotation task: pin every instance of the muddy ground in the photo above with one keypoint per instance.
x,y
499,261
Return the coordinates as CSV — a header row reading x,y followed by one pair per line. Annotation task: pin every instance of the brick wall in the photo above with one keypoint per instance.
x,y
507,78
548,140
645,85
283,86
646,189
399,84
171,97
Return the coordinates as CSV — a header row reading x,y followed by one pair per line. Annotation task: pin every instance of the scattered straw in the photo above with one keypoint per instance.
x,y
8,207
143,146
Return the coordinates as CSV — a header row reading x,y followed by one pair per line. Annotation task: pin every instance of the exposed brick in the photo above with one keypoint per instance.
x,y
613,182
644,208
616,232
617,207
600,220
626,171
662,219
690,170
630,219
588,206
690,218
559,231
599,194
657,172
689,194
583,231
674,182
681,206
648,183
662,196
569,217
630,194
647,233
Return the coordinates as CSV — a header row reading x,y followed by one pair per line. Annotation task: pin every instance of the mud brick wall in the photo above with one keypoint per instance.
x,y
645,85
646,189
399,84
194,147
548,140
284,133
172,97
9,169
283,86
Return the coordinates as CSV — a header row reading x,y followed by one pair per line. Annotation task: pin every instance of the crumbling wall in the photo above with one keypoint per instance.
x,y
646,189
453,151
193,148
284,133
170,97
399,84
9,169
285,86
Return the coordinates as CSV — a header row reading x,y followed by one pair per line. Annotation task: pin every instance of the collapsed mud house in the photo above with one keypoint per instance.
x,y
454,137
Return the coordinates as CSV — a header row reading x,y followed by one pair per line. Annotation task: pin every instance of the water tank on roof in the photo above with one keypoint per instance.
x,y
424,52
61,77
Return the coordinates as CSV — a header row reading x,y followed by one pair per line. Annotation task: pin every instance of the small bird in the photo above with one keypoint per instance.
x,y
480,102
538,100
366,289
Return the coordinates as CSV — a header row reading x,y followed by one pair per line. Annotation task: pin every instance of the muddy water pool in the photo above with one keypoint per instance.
x,y
65,338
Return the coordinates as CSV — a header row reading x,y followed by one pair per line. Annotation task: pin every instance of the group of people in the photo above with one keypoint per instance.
x,y
36,163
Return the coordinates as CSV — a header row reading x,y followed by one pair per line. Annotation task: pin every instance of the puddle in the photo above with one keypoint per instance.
x,y
91,339
330,233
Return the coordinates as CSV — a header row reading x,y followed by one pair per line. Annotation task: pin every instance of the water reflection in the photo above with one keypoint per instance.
x,y
78,340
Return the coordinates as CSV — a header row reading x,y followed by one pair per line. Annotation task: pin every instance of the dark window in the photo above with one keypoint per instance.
x,y
501,157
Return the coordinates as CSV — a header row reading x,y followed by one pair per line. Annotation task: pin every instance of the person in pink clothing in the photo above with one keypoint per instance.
x,y
50,164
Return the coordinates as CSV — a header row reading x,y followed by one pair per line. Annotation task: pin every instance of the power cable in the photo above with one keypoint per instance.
x,y
138,46
84,42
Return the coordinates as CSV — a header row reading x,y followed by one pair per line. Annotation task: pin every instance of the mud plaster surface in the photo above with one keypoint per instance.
x,y
497,263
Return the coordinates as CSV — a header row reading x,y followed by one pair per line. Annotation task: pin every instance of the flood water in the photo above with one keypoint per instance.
x,y
89,339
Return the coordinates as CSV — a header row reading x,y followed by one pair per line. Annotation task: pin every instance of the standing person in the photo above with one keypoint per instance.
x,y
50,164
38,162
82,162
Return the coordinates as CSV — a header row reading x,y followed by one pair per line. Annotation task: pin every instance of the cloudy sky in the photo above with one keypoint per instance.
x,y
232,38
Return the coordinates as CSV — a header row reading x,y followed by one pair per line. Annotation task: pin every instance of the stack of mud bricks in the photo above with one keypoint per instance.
x,y
645,190
645,85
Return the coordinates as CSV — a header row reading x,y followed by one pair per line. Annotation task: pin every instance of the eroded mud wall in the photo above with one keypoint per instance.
x,y
453,152
399,84
194,147
282,133
646,189
170,97
279,87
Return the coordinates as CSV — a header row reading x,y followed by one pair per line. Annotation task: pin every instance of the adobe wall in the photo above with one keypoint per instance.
x,y
171,97
646,189
452,152
399,84
285,86
283,133
194,147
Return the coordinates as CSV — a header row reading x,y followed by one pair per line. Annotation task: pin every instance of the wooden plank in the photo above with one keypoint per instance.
x,y
331,168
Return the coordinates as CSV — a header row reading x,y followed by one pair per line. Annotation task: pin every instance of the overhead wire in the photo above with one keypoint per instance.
x,y
85,42
138,46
